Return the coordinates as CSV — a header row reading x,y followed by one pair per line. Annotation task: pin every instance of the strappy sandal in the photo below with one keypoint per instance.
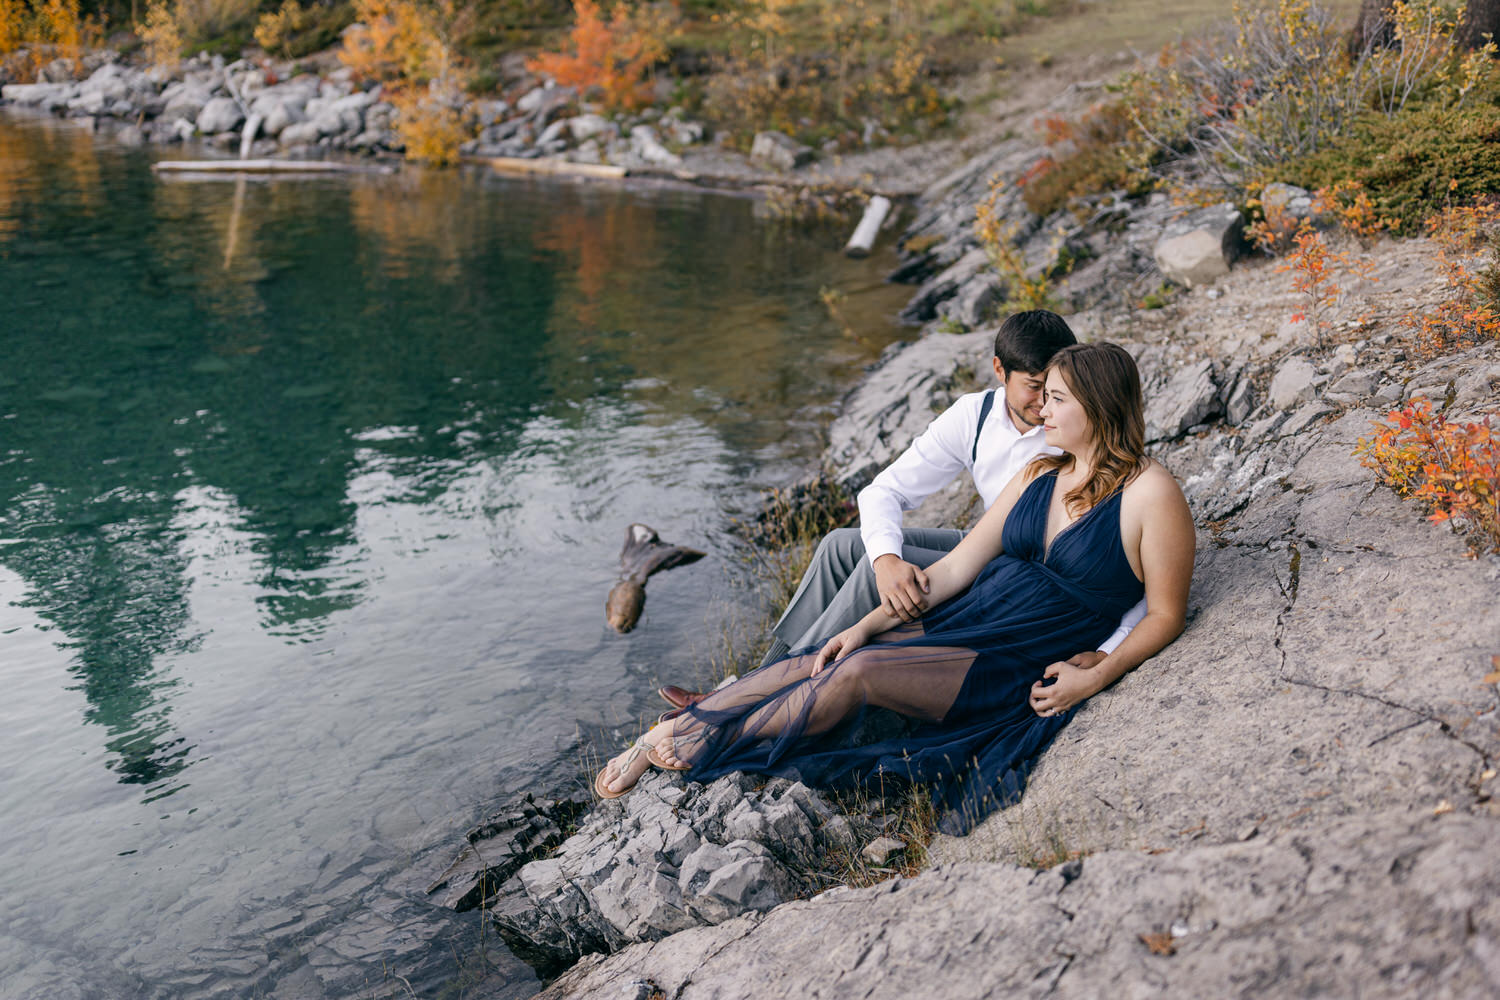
x,y
658,762
601,788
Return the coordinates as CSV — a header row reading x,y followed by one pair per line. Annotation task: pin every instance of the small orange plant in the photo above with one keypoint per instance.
x,y
1275,230
1349,203
1452,468
1472,316
1313,263
613,56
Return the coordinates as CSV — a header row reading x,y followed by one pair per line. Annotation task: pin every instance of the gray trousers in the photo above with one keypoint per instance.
x,y
838,588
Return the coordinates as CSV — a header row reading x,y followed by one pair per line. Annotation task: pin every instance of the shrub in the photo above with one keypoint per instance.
x,y
293,31
1414,165
1283,89
1278,88
223,26
1453,469
610,57
430,127
1101,151
47,30
161,35
406,46
13,25
1024,290
1467,236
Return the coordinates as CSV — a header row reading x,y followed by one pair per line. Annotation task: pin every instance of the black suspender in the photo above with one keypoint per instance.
x,y
984,411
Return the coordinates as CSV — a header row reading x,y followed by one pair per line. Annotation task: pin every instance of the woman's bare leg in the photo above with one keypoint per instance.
x,y
919,682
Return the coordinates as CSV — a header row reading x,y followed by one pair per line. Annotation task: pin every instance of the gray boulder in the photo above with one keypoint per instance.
x,y
1409,899
184,100
1199,248
299,134
974,303
222,114
926,304
58,71
278,116
780,151
50,96
583,127
1286,201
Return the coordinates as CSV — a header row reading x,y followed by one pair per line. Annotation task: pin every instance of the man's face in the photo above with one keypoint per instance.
x,y
1023,396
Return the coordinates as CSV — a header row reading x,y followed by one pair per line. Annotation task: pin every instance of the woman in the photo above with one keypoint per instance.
x,y
1068,546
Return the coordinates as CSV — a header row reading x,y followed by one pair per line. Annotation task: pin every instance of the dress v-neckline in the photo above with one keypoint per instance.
x,y
1048,544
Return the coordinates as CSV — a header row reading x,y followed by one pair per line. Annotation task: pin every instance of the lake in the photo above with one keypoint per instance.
x,y
311,492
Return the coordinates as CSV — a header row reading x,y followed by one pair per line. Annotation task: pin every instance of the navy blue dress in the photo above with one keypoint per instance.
x,y
1028,608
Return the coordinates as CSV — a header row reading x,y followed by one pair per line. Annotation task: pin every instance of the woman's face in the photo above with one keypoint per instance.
x,y
1062,415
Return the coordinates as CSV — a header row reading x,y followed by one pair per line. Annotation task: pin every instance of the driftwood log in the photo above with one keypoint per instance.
x,y
644,553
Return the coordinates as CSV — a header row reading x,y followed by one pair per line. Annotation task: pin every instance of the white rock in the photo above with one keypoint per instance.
x,y
1293,383
879,850
299,134
553,132
532,100
221,114
587,126
46,95
779,150
278,117
645,144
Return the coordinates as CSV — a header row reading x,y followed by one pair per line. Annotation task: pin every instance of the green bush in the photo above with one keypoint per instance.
x,y
1412,165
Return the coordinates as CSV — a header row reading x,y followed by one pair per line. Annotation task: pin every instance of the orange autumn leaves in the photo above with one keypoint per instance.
x,y
1452,468
612,56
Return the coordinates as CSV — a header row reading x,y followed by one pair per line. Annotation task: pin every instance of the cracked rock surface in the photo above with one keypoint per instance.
x,y
1385,904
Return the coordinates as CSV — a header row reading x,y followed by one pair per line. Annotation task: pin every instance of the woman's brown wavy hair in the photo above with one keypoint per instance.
x,y
1107,384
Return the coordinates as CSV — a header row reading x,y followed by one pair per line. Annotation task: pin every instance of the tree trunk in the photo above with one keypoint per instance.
x,y
1481,17
1373,29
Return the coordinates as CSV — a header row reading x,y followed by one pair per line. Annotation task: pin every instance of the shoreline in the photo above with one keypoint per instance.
x,y
1333,634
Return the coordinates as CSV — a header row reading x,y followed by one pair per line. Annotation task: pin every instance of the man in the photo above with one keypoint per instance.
x,y
993,435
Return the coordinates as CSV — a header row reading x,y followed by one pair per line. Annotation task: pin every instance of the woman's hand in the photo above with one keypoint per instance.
x,y
1074,684
842,644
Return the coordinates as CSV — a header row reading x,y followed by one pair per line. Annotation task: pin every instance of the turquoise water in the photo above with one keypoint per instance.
x,y
311,492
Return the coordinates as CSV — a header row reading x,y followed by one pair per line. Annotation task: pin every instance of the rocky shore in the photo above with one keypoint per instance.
x,y
1292,799
317,109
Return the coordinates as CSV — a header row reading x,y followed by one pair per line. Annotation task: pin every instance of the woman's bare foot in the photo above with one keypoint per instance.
x,y
620,774
662,753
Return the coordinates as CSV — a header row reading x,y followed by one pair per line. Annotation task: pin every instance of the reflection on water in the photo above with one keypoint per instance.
x,y
310,495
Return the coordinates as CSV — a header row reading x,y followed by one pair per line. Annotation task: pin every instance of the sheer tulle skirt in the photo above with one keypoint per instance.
x,y
962,678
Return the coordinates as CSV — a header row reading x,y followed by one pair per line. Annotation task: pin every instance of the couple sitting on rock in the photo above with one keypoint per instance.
x,y
1077,572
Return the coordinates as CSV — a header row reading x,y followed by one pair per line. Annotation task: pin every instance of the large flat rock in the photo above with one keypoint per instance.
x,y
1388,904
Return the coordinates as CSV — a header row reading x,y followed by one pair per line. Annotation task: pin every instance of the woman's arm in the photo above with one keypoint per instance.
x,y
945,578
1157,529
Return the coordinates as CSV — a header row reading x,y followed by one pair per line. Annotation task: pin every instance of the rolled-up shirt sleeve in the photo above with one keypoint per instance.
x,y
934,459
1131,620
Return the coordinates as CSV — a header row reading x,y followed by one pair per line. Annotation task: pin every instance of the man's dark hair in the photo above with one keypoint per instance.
x,y
1026,341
